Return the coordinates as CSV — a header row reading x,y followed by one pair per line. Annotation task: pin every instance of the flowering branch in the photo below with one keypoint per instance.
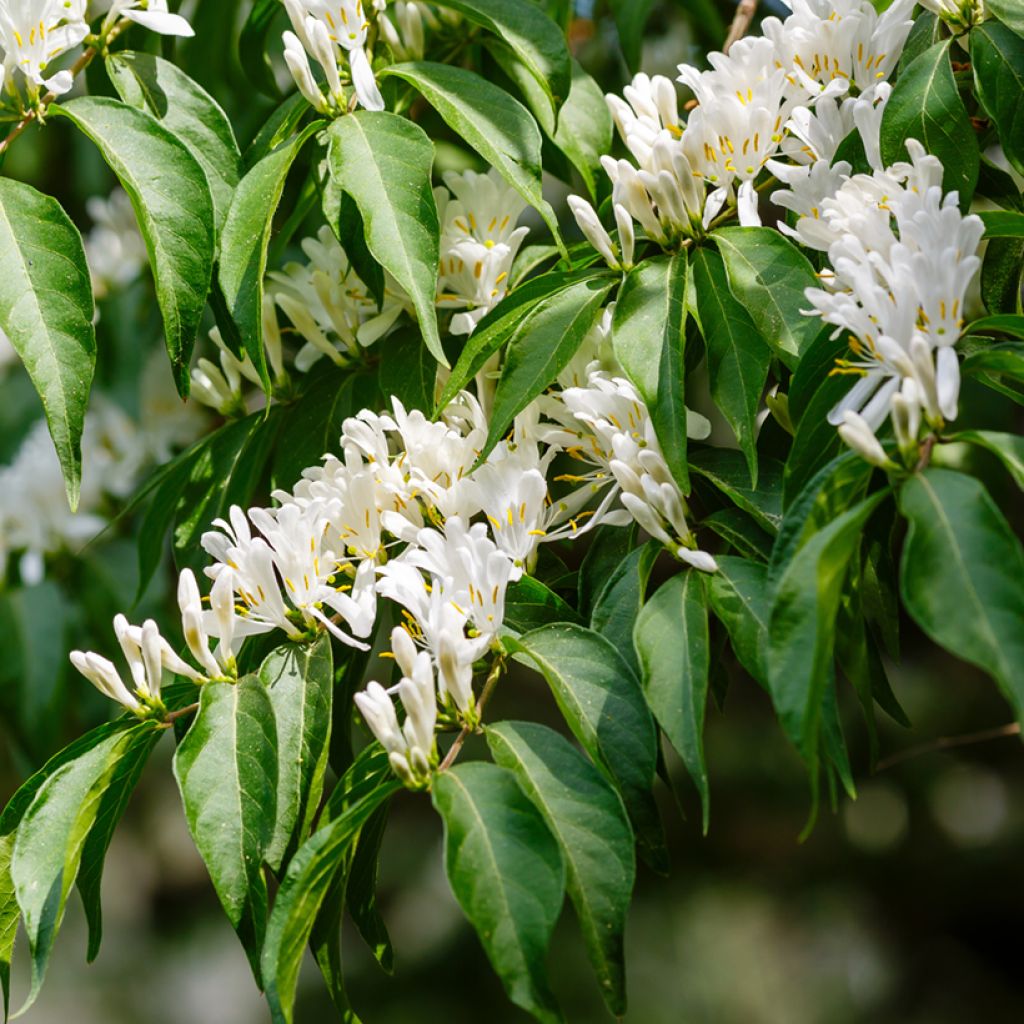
x,y
492,681
745,11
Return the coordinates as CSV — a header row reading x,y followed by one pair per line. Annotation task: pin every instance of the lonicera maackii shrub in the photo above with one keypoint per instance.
x,y
474,443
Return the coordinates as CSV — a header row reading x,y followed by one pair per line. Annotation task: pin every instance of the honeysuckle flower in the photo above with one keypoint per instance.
x,y
114,248
35,33
479,241
332,31
329,306
403,29
857,433
103,674
618,256
151,14
959,15
223,387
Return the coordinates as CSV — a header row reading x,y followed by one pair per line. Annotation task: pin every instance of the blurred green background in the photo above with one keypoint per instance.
x,y
903,906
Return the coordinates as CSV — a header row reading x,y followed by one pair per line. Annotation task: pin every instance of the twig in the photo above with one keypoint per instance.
x,y
745,11
492,682
39,110
926,453
173,716
948,743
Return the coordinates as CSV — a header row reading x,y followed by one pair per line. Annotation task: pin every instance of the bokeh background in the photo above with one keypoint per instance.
x,y
903,906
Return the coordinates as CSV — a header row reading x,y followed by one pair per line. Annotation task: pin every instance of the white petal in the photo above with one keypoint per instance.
x,y
162,22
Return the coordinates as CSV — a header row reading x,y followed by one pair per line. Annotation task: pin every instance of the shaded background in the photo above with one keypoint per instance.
x,y
901,907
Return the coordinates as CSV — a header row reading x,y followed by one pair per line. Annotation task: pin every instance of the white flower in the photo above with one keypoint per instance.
x,y
102,673
33,34
857,433
403,29
959,15
479,241
618,256
151,14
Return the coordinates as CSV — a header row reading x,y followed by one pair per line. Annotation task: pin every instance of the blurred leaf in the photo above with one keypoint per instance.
x,y
1008,448
188,112
926,105
506,871
630,20
383,162
997,58
244,242
738,357
1009,12
46,310
226,767
962,575
584,129
299,680
361,890
586,817
601,700
252,46
648,336
172,202
1001,275
675,674
768,275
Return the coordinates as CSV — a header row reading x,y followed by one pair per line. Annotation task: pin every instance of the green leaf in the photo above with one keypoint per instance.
x,y
541,348
279,127
506,871
648,336
173,205
252,46
1009,12
1010,324
602,702
383,162
46,309
1001,275
361,890
738,529
536,40
802,627
584,130
52,836
226,767
244,242
1003,223
675,675
408,371
768,276
740,597
925,105
924,33
727,470
305,887
529,603
1008,448
621,599
630,20
586,817
738,357
503,322
495,124
188,112
299,680
962,575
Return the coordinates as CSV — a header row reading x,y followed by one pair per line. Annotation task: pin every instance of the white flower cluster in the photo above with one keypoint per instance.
x,y
959,15
35,33
795,93
401,514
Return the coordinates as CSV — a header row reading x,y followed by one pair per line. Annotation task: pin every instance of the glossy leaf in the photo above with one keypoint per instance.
x,y
603,703
46,310
1009,12
962,575
925,105
768,276
621,599
738,357
726,469
530,603
997,58
740,597
226,767
648,336
188,112
384,162
172,202
505,869
675,674
586,817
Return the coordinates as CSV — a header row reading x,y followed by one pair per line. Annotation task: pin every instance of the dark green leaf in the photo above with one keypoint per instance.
x,y
738,528
768,276
506,871
671,640
244,242
738,357
173,205
997,57
740,597
407,370
46,310
727,470
962,575
648,335
1009,12
621,599
816,441
226,767
584,131
1008,448
529,604
1001,275
361,890
300,681
188,112
603,703
1003,223
631,19
587,818
925,105
252,46
383,162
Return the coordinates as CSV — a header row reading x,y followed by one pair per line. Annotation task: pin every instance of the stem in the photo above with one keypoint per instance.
x,y
926,453
492,681
745,11
948,743
173,716
38,112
